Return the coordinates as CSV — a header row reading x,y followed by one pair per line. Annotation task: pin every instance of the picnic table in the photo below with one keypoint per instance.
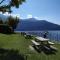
x,y
41,43
42,40
35,43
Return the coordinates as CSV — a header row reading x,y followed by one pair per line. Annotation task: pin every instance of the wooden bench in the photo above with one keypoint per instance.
x,y
35,43
53,48
47,48
50,43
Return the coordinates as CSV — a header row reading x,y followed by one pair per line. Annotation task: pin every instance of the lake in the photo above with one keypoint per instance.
x,y
52,35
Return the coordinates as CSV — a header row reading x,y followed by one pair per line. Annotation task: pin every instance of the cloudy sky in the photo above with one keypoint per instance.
x,y
40,9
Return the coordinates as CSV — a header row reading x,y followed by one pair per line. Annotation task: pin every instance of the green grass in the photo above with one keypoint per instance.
x,y
16,41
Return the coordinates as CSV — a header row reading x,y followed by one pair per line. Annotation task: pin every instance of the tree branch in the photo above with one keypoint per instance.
x,y
2,1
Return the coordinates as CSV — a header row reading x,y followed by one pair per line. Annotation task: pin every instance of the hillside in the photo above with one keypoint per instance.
x,y
33,24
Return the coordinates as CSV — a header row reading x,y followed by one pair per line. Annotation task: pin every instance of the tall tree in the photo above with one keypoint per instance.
x,y
7,8
12,22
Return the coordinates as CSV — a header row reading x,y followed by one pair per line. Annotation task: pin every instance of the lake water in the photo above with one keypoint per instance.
x,y
52,35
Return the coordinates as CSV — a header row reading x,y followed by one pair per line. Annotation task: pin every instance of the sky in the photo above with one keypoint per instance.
x,y
40,9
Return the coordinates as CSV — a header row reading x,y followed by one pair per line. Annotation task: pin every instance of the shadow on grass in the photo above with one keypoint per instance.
x,y
47,51
6,54
37,49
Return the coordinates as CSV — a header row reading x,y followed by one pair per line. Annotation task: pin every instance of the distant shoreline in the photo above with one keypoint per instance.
x,y
37,31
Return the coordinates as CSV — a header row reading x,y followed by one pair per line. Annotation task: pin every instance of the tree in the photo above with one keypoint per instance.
x,y
12,3
12,22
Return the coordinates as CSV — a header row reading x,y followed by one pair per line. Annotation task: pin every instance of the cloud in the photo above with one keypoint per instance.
x,y
29,16
6,13
37,17
14,15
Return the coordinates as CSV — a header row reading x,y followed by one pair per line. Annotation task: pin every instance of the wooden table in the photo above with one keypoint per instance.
x,y
42,40
35,43
42,43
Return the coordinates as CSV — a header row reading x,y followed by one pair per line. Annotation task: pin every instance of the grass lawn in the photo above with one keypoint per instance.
x,y
18,42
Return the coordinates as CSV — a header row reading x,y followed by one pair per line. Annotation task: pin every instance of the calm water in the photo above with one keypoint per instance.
x,y
52,35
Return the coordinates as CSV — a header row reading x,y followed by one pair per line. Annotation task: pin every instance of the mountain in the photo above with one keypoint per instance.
x,y
33,24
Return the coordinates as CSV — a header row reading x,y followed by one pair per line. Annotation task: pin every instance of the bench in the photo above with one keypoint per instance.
x,y
53,48
35,43
47,48
51,43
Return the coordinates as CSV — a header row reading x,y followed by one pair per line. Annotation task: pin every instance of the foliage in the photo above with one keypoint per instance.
x,y
12,22
4,28
12,3
9,25
16,3
1,22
